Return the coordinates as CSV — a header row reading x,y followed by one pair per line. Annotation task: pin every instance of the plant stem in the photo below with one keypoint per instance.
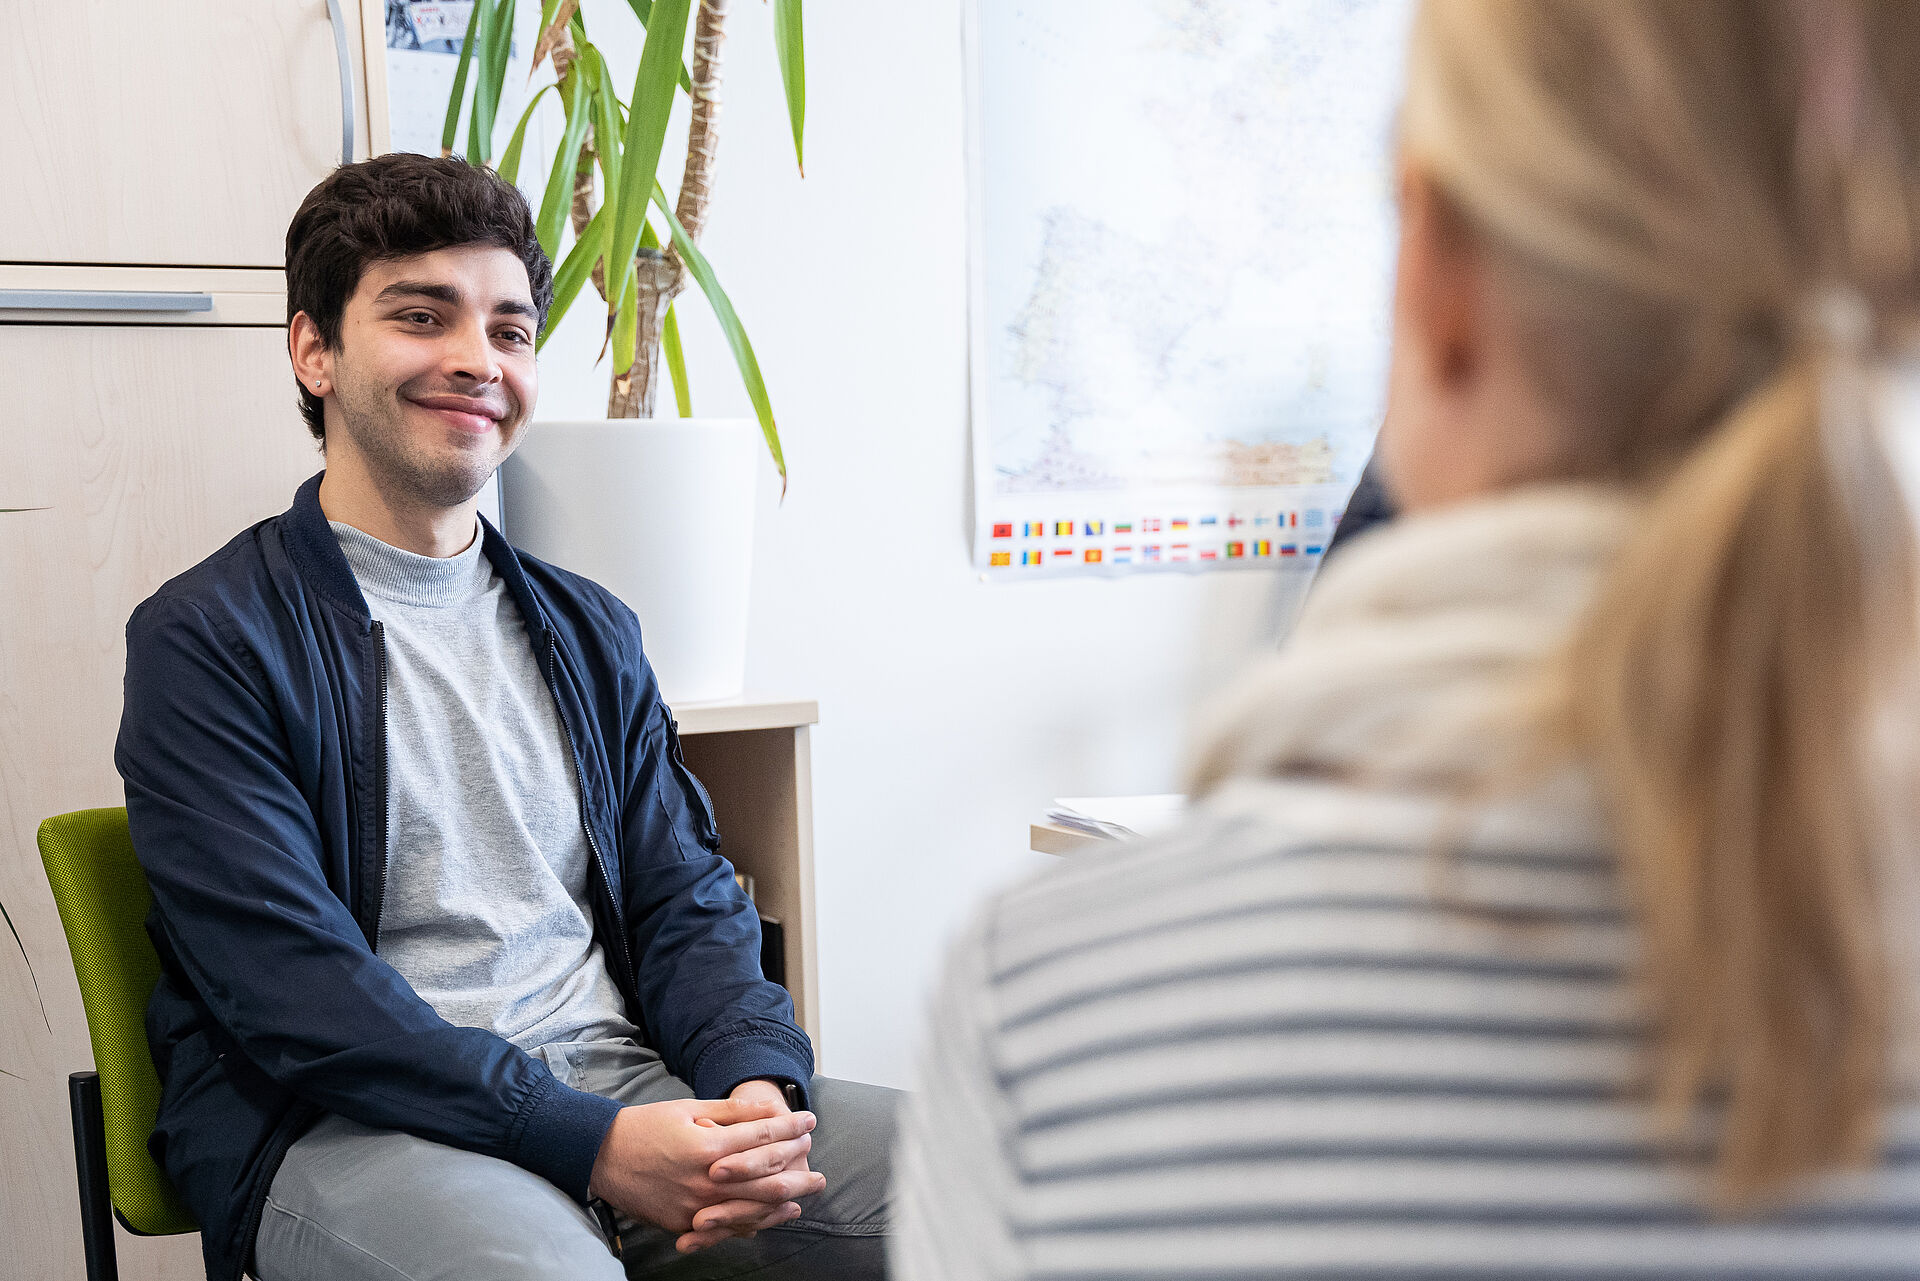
x,y
660,277
703,139
657,278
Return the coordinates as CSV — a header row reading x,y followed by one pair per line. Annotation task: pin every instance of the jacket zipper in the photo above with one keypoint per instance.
x,y
380,771
580,780
295,1120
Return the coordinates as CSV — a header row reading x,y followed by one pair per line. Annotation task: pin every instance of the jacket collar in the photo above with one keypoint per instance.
x,y
317,555
506,563
316,552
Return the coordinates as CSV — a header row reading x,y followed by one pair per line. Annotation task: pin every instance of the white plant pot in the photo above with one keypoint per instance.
x,y
660,512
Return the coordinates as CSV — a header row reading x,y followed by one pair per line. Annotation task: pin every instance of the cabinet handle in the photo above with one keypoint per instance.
x,y
345,59
102,300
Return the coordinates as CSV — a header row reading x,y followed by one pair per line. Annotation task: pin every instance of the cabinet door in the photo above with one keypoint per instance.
x,y
143,450
177,133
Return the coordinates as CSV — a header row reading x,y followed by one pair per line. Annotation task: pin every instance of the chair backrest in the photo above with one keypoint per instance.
x,y
103,899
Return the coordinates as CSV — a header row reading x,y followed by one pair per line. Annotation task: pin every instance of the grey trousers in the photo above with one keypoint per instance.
x,y
352,1203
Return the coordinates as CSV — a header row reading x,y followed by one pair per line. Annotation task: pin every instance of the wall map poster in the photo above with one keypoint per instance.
x,y
1182,254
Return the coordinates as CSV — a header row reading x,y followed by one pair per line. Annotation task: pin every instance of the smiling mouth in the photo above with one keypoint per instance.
x,y
467,416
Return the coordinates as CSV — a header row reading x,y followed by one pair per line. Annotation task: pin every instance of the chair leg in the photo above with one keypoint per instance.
x,y
90,1158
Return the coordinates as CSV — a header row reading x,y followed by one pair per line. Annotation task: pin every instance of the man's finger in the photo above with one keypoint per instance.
x,y
725,1140
774,1188
743,1216
734,1111
689,1242
757,1163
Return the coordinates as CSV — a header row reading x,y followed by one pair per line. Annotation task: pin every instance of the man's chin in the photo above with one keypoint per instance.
x,y
452,483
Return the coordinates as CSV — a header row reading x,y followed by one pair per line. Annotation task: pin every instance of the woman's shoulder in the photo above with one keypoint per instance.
x,y
1304,859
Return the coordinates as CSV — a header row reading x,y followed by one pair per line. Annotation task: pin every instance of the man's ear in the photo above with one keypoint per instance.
x,y
1442,277
312,362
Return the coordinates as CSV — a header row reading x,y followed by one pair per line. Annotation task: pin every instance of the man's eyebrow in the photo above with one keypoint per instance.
x,y
453,297
420,289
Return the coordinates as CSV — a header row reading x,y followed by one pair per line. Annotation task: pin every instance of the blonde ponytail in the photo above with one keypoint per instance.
x,y
1638,172
1721,690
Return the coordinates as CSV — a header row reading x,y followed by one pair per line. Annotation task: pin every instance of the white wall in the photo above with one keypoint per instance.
x,y
952,711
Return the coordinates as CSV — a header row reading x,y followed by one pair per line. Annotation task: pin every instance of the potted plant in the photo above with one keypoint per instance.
x,y
660,509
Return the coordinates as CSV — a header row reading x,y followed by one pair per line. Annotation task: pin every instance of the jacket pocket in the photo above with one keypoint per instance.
x,y
697,798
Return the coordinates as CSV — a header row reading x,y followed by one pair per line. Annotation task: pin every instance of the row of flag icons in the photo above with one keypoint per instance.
x,y
1313,518
1152,553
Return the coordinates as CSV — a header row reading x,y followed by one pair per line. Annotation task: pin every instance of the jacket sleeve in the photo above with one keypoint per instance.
x,y
231,847
713,1017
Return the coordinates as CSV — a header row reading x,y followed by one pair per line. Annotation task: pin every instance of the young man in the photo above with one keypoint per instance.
x,y
453,979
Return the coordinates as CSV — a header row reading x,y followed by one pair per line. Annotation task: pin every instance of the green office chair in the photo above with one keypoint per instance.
x,y
103,899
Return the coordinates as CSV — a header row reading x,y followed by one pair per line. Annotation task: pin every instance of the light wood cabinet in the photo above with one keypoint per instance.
x,y
143,450
756,760
178,133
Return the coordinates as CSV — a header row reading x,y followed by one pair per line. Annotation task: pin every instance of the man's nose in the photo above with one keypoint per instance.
x,y
470,355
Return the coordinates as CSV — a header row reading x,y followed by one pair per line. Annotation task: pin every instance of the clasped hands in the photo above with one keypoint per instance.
x,y
709,1169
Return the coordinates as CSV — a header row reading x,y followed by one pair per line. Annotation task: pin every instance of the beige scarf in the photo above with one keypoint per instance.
x,y
1417,662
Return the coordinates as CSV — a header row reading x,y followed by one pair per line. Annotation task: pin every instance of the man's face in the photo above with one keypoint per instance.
x,y
435,379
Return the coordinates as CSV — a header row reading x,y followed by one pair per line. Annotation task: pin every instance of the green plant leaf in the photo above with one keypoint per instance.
x,y
623,324
557,203
607,130
676,362
459,97
702,272
648,110
791,50
30,974
643,10
573,273
509,166
490,74
482,35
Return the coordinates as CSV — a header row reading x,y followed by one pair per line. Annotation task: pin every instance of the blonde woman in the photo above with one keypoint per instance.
x,y
1545,911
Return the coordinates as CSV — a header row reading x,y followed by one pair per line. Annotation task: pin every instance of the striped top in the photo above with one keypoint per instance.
x,y
1295,1040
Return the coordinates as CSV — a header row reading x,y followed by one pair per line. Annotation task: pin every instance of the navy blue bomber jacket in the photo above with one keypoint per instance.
x,y
253,750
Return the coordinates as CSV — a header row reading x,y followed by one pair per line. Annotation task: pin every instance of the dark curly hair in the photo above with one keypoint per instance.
x,y
396,206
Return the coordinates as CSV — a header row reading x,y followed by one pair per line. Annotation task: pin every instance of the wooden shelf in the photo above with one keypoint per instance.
x,y
1051,838
755,758
736,714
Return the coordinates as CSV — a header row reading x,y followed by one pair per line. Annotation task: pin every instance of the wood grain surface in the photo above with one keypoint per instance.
x,y
144,450
184,132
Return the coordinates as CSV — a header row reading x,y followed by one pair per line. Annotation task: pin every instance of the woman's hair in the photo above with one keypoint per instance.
x,y
1702,214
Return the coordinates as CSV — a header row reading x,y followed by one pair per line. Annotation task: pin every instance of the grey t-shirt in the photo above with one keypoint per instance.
x,y
486,911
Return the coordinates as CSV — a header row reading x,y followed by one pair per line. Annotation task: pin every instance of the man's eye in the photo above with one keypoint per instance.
x,y
419,317
514,336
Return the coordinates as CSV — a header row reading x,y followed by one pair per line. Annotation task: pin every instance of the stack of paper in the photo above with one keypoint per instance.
x,y
1118,818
